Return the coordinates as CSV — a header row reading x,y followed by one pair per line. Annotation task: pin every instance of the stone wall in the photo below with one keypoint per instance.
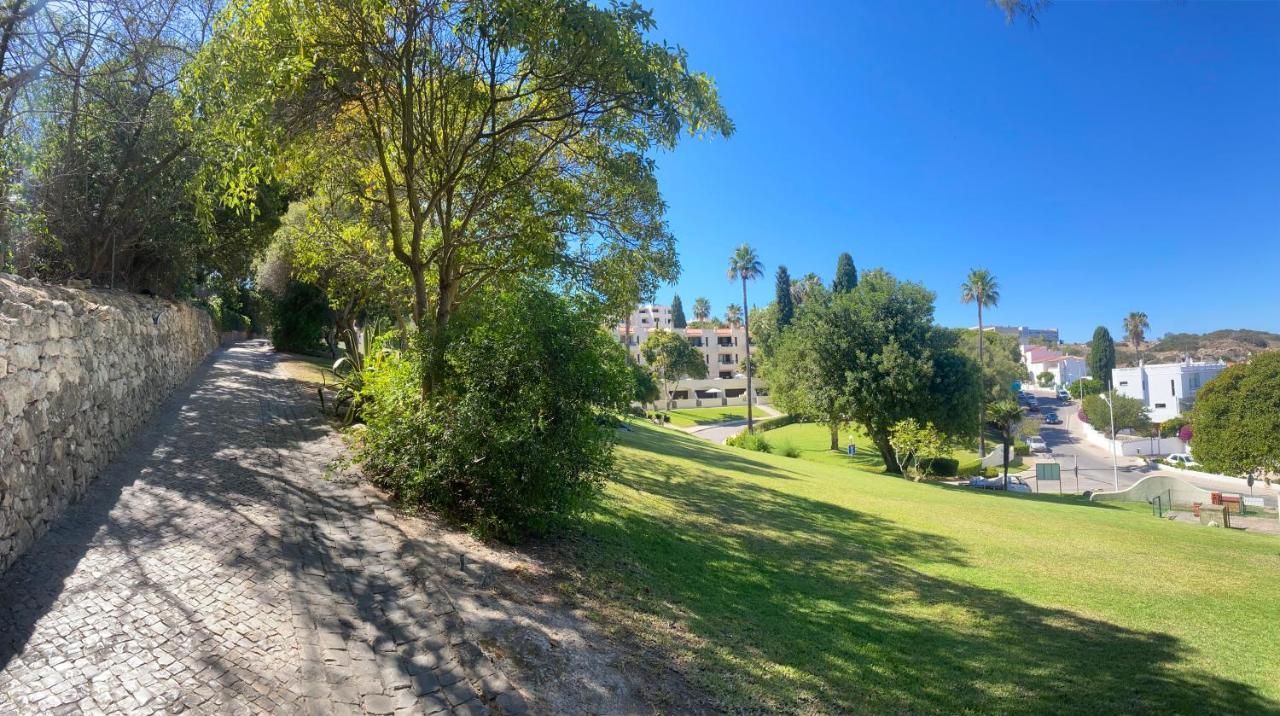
x,y
79,372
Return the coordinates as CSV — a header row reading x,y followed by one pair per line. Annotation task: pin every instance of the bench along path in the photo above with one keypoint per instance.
x,y
216,567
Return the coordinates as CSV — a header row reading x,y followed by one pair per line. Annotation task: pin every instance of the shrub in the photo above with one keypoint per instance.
x,y
786,449
1021,450
1172,426
777,422
942,467
232,321
299,319
749,441
516,434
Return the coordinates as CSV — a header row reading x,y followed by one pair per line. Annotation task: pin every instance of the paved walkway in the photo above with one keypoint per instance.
x,y
719,432
215,567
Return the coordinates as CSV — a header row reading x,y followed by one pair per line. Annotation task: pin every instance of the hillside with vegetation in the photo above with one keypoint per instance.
x,y
1231,345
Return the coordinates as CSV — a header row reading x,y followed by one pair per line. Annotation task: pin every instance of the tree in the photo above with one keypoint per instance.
x,y
733,315
671,357
677,312
808,289
911,442
1130,413
1045,379
504,140
701,309
1135,327
981,288
745,266
785,308
1006,416
1086,386
905,366
1237,419
1002,364
1102,355
846,275
645,388
810,366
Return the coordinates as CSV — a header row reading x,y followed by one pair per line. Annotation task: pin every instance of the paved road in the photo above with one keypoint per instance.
x,y
213,568
719,432
1070,449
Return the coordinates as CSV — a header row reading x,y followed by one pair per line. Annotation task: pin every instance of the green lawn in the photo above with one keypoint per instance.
x,y
813,441
706,416
796,586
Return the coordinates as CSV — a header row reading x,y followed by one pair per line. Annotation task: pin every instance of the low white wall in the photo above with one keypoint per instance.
x,y
1171,490
1134,446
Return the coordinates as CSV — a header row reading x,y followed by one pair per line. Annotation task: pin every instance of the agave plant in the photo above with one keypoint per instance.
x,y
349,370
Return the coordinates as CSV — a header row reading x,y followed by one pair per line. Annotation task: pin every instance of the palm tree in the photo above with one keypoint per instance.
x,y
701,309
733,315
744,265
981,288
1006,415
1135,328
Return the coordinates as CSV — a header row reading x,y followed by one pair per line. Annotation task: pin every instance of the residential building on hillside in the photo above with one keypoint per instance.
x,y
1065,369
1167,389
1024,334
723,349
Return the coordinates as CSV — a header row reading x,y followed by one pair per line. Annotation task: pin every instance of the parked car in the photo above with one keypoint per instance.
x,y
1063,395
1037,444
1051,418
997,483
1181,459
1033,407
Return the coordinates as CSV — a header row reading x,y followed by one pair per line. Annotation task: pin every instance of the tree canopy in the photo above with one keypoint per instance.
x,y
785,308
1102,355
677,313
846,275
1236,419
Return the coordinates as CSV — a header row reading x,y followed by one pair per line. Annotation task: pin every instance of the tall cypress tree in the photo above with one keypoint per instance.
x,y
846,275
677,312
786,309
1102,355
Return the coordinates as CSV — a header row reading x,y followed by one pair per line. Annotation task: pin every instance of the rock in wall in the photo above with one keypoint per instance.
x,y
79,373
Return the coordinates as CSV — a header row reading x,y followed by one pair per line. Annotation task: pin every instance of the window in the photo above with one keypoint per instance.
x,y
726,374
1124,383
1171,390
1159,405
726,359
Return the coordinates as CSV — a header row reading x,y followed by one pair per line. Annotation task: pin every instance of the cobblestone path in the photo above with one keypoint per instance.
x,y
215,568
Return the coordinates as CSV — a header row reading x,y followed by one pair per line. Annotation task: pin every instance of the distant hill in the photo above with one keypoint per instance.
x,y
1230,344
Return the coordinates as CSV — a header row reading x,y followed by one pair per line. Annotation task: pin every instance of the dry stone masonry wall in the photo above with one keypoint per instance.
x,y
79,372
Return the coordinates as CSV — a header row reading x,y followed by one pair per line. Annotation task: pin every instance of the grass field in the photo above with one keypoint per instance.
x,y
796,586
813,441
690,417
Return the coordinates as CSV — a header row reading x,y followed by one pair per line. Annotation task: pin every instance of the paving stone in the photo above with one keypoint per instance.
x,y
213,568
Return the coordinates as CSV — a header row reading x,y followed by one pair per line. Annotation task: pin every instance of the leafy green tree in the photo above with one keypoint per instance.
x,y
1006,416
503,139
733,315
1135,331
1130,413
846,275
1237,419
701,309
1045,379
671,357
1102,355
808,372
809,289
1002,364
981,288
646,390
744,265
516,438
1084,387
913,442
677,313
785,309
906,366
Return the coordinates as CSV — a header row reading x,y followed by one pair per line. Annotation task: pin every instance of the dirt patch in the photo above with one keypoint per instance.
x,y
557,641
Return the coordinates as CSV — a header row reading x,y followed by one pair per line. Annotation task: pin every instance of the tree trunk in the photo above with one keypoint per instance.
x,y
982,390
835,435
746,332
1006,465
887,454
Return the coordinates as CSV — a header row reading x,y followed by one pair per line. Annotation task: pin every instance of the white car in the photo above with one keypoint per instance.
x,y
1181,459
1037,444
998,483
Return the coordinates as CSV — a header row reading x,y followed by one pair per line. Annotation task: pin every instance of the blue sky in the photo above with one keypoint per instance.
x,y
1116,157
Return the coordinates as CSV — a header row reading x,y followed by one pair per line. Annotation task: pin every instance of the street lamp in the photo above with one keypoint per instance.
x,y
1115,471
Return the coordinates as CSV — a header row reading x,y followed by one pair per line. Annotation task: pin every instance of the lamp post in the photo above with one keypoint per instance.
x,y
1115,471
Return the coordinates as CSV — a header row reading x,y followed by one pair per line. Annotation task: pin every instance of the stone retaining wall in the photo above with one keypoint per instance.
x,y
79,372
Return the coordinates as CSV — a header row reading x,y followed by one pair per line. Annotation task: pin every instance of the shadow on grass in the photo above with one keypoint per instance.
x,y
791,604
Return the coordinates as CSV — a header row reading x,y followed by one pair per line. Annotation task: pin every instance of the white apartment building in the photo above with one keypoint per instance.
x,y
1167,389
723,349
1065,369
1024,334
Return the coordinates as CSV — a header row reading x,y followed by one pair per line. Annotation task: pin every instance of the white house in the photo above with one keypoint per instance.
x,y
1065,369
1167,389
1025,334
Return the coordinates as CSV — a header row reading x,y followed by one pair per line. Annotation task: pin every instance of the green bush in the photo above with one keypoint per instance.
x,y
786,449
1021,450
777,422
232,321
517,433
213,306
299,319
1170,427
942,467
749,441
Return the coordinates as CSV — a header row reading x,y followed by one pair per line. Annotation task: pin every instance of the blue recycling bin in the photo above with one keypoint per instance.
x,y
853,449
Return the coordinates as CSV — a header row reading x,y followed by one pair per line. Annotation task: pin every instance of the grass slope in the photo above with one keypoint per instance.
x,y
786,585
689,417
